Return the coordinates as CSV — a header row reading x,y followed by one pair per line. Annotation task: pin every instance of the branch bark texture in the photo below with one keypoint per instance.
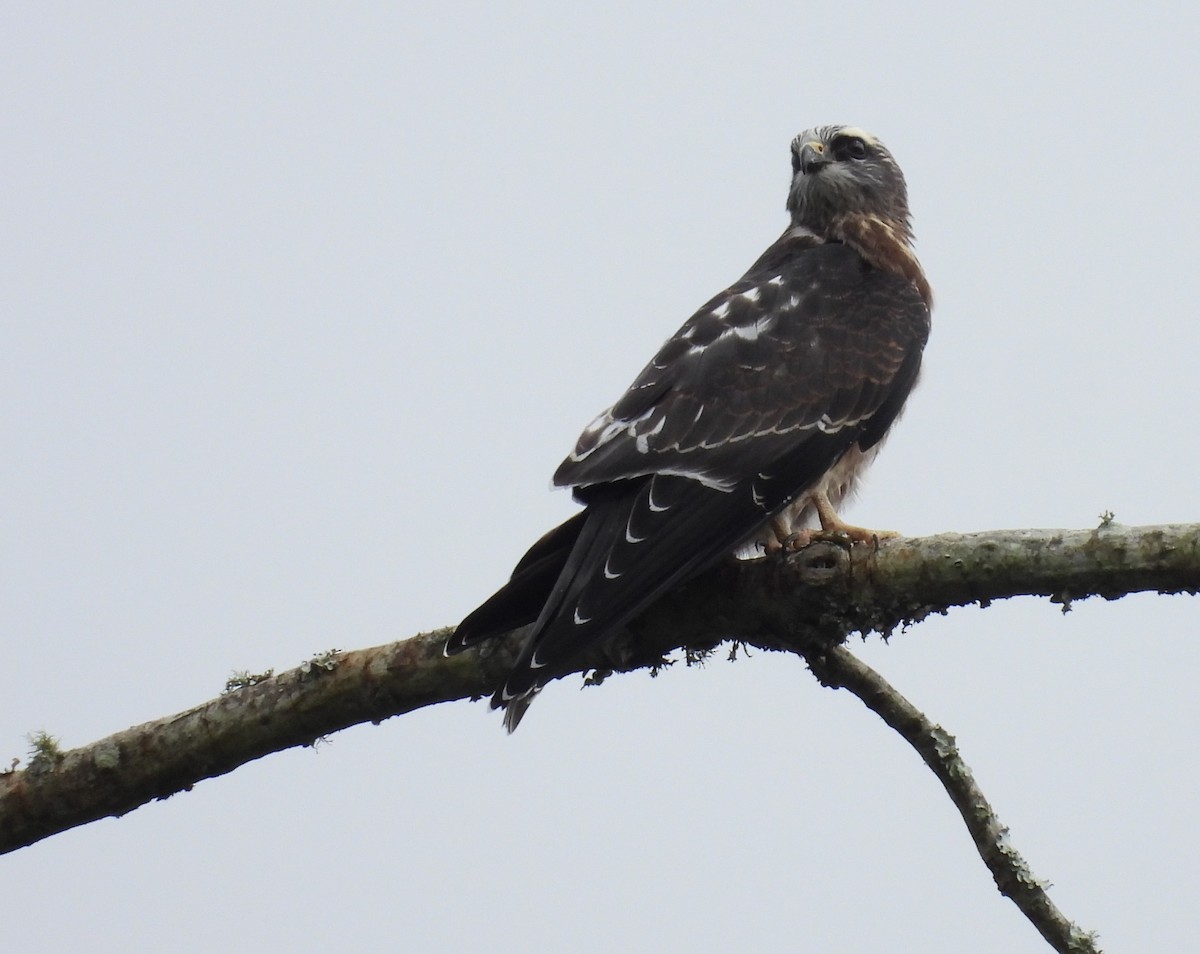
x,y
839,669
809,601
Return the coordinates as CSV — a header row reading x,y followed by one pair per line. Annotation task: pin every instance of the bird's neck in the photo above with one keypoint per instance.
x,y
886,245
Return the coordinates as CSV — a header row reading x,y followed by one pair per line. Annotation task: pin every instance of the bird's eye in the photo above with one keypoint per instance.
x,y
851,147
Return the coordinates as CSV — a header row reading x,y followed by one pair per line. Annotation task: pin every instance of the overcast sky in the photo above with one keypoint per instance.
x,y
301,306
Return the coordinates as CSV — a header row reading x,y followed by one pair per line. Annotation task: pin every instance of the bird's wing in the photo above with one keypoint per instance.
x,y
809,345
748,405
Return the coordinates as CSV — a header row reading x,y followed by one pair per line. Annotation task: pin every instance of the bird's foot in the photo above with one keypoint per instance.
x,y
785,541
834,528
847,532
797,540
843,534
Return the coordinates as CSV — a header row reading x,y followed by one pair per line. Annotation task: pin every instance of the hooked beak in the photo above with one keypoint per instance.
x,y
813,157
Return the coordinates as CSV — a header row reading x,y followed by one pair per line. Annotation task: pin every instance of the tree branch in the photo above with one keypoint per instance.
x,y
809,602
839,669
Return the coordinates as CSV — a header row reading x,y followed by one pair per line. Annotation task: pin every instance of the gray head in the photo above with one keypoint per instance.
x,y
844,171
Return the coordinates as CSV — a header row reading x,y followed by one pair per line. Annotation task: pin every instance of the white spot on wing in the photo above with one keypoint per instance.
x,y
828,425
579,620
610,428
654,508
613,428
777,280
725,485
751,332
752,294
598,422
721,310
699,474
642,441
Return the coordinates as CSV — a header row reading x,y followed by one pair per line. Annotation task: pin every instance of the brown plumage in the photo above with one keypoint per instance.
x,y
754,420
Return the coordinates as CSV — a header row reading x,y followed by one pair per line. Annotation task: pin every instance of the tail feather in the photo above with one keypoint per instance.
x,y
634,540
519,602
515,708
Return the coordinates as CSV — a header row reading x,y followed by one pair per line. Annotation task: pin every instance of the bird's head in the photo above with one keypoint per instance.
x,y
841,172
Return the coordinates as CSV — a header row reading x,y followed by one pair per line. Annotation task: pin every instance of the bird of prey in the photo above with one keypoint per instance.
x,y
751,423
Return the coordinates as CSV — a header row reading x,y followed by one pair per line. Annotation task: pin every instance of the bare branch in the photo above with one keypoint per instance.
x,y
839,669
810,601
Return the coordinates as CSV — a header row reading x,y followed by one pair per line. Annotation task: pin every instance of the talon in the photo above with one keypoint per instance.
x,y
784,539
797,541
836,527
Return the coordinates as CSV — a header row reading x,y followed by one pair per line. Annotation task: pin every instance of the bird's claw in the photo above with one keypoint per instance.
x,y
846,533
842,535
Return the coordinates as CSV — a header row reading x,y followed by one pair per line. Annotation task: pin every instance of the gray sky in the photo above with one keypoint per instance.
x,y
301,306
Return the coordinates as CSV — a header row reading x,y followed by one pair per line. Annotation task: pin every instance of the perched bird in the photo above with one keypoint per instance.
x,y
752,422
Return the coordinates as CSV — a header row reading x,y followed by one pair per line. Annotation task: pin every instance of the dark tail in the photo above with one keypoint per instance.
x,y
521,599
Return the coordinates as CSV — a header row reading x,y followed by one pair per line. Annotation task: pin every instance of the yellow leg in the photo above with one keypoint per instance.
x,y
831,523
